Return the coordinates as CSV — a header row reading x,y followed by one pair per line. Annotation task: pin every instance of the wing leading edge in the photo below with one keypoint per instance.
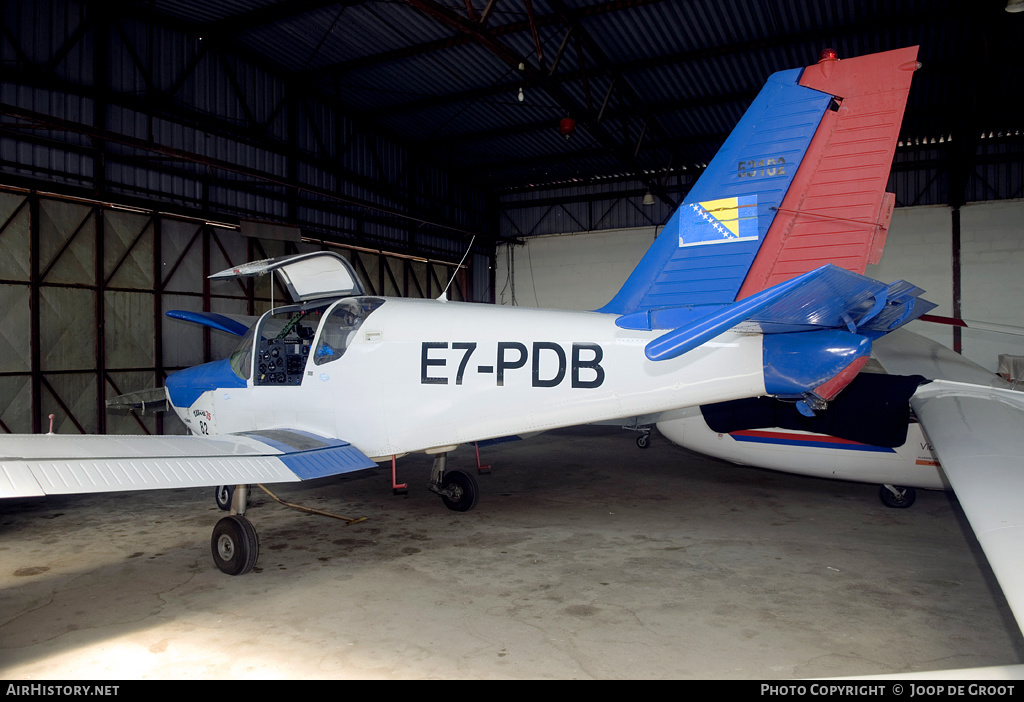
x,y
33,466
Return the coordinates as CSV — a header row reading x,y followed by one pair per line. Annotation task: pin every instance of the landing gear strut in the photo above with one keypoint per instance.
x,y
224,495
458,489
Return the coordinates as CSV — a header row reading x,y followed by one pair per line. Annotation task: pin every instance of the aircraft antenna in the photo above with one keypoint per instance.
x,y
444,294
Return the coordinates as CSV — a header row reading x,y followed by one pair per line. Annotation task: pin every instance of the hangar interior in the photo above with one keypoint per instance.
x,y
188,137
145,145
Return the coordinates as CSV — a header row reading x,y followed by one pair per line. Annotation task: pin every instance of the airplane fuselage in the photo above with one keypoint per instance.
x,y
422,375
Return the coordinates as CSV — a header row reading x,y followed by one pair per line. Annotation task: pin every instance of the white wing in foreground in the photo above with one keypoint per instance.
x,y
976,427
54,464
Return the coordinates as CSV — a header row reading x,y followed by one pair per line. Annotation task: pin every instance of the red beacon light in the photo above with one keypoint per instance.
x,y
828,55
567,127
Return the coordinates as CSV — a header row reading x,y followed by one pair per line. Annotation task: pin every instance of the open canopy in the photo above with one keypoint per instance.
x,y
309,276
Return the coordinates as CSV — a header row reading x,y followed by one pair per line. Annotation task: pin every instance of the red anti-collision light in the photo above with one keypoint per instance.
x,y
828,55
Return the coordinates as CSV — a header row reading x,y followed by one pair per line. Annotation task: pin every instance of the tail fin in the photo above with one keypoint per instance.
x,y
800,182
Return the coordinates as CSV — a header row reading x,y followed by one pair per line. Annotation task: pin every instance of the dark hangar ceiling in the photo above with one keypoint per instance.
x,y
251,107
654,85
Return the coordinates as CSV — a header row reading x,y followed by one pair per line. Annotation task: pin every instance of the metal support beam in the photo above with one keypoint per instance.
x,y
957,290
101,323
159,372
34,302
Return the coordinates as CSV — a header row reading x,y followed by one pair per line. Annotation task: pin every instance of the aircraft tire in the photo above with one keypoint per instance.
x,y
223,495
235,545
467,489
643,441
902,502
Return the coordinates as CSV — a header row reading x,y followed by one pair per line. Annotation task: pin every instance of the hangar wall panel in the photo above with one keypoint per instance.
x,y
918,249
15,322
993,277
72,399
67,242
67,324
128,250
16,409
84,288
570,271
14,222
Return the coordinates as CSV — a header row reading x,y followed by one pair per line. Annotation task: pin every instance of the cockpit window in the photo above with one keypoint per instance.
x,y
283,339
241,357
339,328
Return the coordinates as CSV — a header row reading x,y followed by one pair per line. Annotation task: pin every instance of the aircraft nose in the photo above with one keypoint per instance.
x,y
184,387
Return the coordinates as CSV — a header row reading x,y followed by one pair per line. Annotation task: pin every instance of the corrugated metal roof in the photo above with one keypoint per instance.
x,y
681,71
430,75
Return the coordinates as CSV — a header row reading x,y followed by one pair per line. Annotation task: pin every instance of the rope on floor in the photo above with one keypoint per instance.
x,y
349,520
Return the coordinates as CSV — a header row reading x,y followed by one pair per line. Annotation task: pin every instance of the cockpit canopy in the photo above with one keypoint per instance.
x,y
338,329
319,275
276,349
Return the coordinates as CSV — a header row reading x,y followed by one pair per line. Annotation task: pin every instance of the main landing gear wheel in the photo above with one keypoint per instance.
x,y
897,497
643,441
235,545
459,491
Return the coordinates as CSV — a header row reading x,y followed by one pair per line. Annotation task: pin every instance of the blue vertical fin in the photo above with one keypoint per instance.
x,y
703,254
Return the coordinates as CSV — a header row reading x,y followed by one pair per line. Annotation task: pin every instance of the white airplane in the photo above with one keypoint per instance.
x,y
754,288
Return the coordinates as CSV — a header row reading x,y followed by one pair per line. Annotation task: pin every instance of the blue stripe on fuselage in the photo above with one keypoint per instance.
x,y
825,442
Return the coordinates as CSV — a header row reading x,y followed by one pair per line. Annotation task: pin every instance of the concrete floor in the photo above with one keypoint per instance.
x,y
585,558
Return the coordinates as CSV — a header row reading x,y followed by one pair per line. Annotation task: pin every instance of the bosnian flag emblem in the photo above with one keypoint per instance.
x,y
718,221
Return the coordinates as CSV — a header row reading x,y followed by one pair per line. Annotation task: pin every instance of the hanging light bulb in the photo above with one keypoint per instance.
x,y
520,93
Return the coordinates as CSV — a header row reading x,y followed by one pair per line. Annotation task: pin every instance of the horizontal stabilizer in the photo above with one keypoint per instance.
x,y
140,401
212,320
826,298
839,299
33,465
684,339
